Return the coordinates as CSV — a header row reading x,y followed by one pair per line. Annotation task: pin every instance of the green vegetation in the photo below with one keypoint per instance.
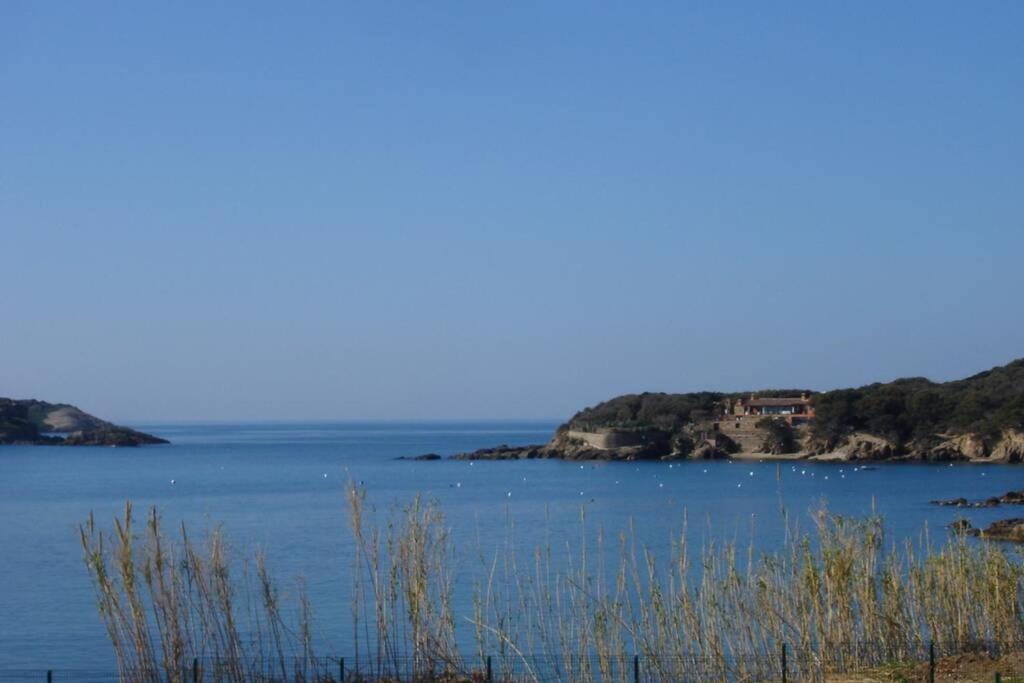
x,y
667,412
715,614
916,409
20,421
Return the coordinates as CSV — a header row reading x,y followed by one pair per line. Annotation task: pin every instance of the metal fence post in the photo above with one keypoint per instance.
x,y
784,672
490,674
636,668
49,676
341,670
931,661
999,678
195,670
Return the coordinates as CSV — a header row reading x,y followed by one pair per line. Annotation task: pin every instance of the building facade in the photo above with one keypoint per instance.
x,y
794,410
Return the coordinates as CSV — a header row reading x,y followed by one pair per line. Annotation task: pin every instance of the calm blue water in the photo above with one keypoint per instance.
x,y
266,485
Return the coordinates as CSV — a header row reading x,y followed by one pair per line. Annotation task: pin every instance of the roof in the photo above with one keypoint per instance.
x,y
796,401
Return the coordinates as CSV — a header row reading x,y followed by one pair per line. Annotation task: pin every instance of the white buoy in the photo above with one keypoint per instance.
x,y
509,494
172,482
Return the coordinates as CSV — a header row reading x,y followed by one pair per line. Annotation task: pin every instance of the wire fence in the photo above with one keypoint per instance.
x,y
853,663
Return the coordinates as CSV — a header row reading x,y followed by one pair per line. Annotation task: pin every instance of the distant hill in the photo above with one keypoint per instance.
x,y
972,418
30,421
980,418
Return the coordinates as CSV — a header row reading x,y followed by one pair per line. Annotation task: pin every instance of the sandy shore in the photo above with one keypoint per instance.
x,y
802,455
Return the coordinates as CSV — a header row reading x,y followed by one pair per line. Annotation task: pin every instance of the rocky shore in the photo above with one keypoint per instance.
x,y
1008,498
623,445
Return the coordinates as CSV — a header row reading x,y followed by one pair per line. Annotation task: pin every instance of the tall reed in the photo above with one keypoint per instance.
x,y
171,608
839,595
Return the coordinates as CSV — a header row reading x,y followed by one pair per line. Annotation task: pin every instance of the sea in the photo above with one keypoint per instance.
x,y
279,489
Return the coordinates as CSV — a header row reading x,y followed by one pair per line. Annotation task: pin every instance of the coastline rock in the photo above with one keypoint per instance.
x,y
425,456
1011,530
1005,530
503,452
1010,447
956,447
1008,498
863,446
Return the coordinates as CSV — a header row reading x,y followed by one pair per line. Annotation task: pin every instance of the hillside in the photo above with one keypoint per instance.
x,y
980,418
917,414
37,422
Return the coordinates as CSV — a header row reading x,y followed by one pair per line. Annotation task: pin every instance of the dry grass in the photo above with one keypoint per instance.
x,y
839,596
168,605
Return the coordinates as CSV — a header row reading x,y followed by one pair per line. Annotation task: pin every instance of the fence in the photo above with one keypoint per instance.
x,y
853,663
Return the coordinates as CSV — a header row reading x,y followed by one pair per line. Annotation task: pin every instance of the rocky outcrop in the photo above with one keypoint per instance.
x,y
505,452
1010,447
951,447
857,446
41,423
1002,530
970,447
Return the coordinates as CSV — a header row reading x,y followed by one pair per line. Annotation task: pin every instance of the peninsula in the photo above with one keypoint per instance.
x,y
40,423
977,419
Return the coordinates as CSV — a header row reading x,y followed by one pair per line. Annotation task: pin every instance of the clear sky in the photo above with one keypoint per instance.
x,y
347,210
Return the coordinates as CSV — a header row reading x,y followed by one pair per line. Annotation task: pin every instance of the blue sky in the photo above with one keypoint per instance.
x,y
428,210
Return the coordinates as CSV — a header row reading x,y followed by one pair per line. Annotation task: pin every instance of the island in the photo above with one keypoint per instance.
x,y
29,421
976,419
